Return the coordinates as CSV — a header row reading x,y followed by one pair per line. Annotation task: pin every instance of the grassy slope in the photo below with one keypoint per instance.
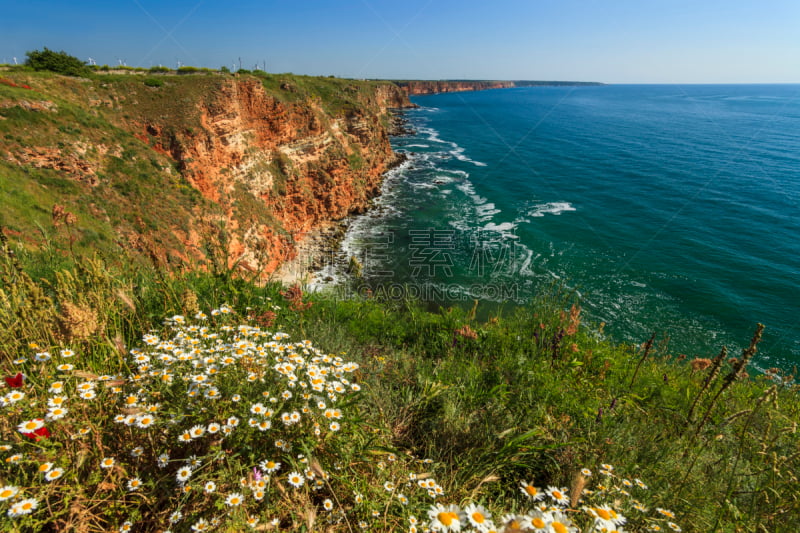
x,y
130,174
518,397
519,400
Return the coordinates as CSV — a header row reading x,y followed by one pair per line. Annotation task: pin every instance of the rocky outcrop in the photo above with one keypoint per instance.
x,y
29,105
280,167
42,157
74,163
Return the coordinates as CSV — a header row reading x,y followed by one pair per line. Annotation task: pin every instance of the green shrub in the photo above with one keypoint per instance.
x,y
59,62
153,82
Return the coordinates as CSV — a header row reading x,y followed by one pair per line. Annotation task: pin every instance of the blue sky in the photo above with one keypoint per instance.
x,y
613,41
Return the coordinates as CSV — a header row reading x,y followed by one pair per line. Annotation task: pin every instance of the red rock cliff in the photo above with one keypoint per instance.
x,y
280,167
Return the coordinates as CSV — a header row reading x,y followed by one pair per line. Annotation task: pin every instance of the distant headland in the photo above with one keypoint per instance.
x,y
414,87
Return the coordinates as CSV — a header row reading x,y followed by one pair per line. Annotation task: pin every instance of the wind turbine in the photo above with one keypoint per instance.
x,y
15,60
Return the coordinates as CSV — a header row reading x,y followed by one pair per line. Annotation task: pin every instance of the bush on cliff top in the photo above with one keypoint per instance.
x,y
58,62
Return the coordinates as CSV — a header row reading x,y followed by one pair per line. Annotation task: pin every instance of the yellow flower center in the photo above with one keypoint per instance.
x,y
447,518
44,468
538,523
559,527
26,506
602,513
478,517
531,490
557,495
6,494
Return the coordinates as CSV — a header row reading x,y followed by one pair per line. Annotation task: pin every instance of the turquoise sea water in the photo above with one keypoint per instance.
x,y
673,209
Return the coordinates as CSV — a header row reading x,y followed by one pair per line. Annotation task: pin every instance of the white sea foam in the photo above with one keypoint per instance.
x,y
486,211
550,208
459,173
455,151
458,153
433,135
503,227
468,189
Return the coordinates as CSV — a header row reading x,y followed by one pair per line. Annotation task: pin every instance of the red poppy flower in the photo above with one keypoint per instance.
x,y
15,382
41,433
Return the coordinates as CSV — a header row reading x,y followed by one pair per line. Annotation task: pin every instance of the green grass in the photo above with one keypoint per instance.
x,y
530,395
128,173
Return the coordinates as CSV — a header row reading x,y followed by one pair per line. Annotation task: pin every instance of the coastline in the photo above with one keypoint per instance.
x,y
322,247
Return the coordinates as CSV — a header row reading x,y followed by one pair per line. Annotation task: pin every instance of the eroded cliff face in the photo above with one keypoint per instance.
x,y
279,167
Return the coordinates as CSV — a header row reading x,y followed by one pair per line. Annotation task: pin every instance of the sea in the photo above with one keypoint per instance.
x,y
668,209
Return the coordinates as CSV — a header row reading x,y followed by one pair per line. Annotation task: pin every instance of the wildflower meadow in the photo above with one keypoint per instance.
x,y
138,401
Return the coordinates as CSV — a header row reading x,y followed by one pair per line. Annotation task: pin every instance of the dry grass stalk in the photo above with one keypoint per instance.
x,y
574,319
189,302
645,353
699,364
466,332
578,484
77,322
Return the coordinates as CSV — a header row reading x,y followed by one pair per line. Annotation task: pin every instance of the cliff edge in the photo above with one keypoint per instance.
x,y
215,170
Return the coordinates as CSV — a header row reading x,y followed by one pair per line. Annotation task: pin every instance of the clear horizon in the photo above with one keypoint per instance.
x,y
615,42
